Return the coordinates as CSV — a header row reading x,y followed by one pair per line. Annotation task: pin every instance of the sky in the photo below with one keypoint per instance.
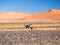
x,y
29,6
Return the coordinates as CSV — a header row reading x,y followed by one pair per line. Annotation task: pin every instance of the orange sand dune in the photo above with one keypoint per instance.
x,y
51,15
11,16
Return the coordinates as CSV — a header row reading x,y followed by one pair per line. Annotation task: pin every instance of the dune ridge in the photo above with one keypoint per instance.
x,y
49,16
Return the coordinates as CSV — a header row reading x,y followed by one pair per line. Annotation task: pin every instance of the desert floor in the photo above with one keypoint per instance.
x,y
28,37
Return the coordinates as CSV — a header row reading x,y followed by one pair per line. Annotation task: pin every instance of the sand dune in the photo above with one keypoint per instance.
x,y
51,15
11,16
